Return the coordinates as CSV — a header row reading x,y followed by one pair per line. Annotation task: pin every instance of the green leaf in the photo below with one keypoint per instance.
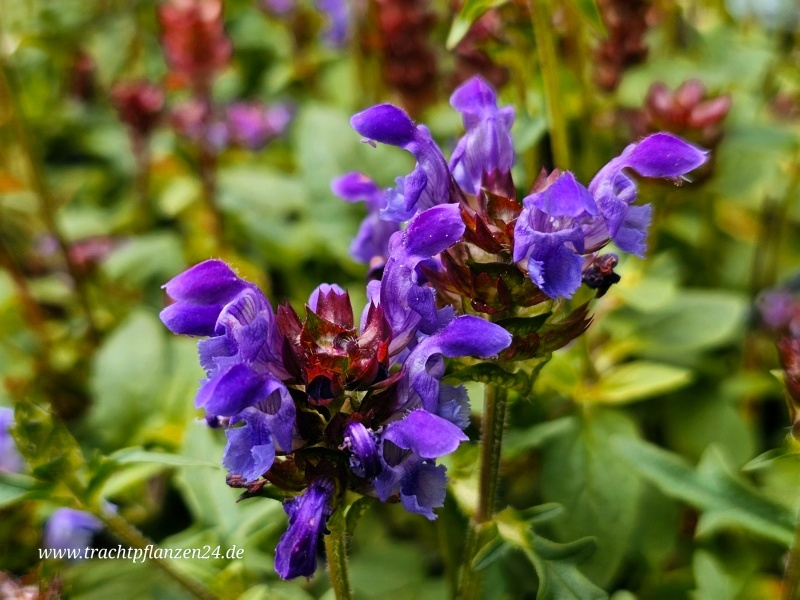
x,y
716,579
634,381
591,505
492,373
695,320
355,511
524,326
148,259
588,12
556,564
137,455
489,553
128,379
470,12
16,488
725,499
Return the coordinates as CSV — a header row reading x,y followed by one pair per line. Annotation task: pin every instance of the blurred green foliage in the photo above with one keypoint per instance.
x,y
638,432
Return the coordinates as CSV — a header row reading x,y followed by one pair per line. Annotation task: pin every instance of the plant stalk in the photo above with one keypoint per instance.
x,y
336,551
791,578
548,62
127,533
47,204
492,425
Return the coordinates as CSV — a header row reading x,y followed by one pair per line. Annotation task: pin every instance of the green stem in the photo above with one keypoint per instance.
x,y
548,62
336,551
492,425
791,578
127,533
47,203
494,417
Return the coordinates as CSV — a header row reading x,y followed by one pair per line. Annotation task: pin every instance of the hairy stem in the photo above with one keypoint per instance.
x,y
336,551
492,425
127,533
546,50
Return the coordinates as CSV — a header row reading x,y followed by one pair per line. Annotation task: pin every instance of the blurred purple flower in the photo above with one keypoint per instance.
x,y
252,124
337,29
69,529
373,236
11,460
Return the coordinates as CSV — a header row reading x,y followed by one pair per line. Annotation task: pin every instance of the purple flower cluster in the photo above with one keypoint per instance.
x,y
555,235
249,125
326,403
320,405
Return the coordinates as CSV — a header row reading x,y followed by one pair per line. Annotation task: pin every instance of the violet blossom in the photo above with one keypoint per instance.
x,y
288,391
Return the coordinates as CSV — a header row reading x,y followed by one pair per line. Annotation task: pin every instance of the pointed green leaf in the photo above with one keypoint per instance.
x,y
469,13
556,564
725,499
634,381
582,471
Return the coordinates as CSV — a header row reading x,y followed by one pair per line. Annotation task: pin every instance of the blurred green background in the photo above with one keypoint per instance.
x,y
91,227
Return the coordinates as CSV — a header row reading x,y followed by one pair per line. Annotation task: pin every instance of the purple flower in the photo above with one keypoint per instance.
x,y
277,7
337,31
69,529
296,553
253,125
11,460
407,304
463,336
251,448
243,360
565,221
373,236
659,155
549,234
430,183
365,459
487,146
410,447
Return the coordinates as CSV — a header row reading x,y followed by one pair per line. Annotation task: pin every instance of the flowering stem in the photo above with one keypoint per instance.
x,y
208,182
32,309
494,416
47,204
492,425
131,536
141,152
336,551
546,49
791,578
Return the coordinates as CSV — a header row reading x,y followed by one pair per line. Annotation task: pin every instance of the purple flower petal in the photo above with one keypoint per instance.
x,y
279,411
69,529
425,434
365,460
250,451
423,488
210,282
11,460
230,392
463,336
553,264
565,197
659,155
429,184
487,145
296,553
